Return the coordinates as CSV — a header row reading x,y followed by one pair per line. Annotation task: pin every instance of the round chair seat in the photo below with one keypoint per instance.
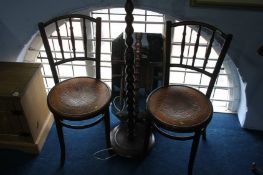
x,y
179,108
79,98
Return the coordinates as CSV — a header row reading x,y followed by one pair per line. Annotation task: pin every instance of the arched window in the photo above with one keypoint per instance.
x,y
225,96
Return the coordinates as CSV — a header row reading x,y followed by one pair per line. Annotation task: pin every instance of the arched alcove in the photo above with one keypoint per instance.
x,y
17,29
227,90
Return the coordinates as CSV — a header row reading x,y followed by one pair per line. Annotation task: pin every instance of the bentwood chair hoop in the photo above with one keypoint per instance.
x,y
69,16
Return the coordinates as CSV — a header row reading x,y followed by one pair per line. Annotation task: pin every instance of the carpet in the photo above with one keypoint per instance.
x,y
229,150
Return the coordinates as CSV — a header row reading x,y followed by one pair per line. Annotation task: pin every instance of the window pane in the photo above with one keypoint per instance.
x,y
50,82
118,10
153,13
101,11
80,70
117,29
65,70
55,45
105,30
205,80
117,17
139,18
223,80
47,70
105,57
105,47
192,78
139,11
155,18
103,16
105,73
221,94
176,50
177,77
139,27
79,46
220,106
77,29
154,28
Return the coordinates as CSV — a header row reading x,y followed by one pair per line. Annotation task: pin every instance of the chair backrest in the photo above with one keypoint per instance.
x,y
195,47
73,37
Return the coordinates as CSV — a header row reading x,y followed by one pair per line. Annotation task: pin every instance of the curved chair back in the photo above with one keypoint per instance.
x,y
73,37
195,47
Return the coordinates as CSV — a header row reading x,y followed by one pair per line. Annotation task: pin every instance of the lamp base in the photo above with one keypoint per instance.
x,y
131,148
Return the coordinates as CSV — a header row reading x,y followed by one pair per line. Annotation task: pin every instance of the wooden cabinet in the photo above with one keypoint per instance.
x,y
24,116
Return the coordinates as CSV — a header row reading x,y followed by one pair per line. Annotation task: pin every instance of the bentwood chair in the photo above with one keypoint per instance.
x,y
76,39
179,109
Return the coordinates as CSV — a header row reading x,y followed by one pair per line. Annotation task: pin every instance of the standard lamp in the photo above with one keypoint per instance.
x,y
131,138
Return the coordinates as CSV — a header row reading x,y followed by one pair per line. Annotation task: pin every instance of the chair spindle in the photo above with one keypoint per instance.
x,y
60,41
98,47
208,50
196,44
183,45
72,38
84,38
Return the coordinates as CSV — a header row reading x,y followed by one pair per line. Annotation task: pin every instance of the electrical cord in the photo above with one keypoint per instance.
x,y
103,155
116,107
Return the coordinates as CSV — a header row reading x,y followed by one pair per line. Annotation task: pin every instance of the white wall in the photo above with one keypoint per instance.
x,y
18,22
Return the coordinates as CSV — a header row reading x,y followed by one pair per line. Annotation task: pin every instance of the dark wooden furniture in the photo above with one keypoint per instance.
x,y
77,98
147,69
25,120
182,109
129,138
255,169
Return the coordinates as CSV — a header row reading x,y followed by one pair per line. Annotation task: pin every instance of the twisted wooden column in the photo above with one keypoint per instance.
x,y
129,138
129,69
137,65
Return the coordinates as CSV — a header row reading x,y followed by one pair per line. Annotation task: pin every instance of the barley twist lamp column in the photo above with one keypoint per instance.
x,y
129,138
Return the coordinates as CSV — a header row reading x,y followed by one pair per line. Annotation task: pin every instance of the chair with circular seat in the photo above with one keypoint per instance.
x,y
74,41
179,111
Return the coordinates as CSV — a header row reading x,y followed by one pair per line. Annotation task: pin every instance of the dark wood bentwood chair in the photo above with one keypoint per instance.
x,y
76,38
194,47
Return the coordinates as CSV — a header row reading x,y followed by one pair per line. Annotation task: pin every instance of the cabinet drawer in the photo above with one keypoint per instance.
x,y
10,104
12,119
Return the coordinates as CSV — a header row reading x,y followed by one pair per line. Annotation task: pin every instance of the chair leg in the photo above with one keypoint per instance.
x,y
256,170
61,142
204,133
148,133
107,127
193,152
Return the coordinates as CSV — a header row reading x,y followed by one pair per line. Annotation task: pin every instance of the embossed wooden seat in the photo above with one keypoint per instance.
x,y
178,108
76,98
79,98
